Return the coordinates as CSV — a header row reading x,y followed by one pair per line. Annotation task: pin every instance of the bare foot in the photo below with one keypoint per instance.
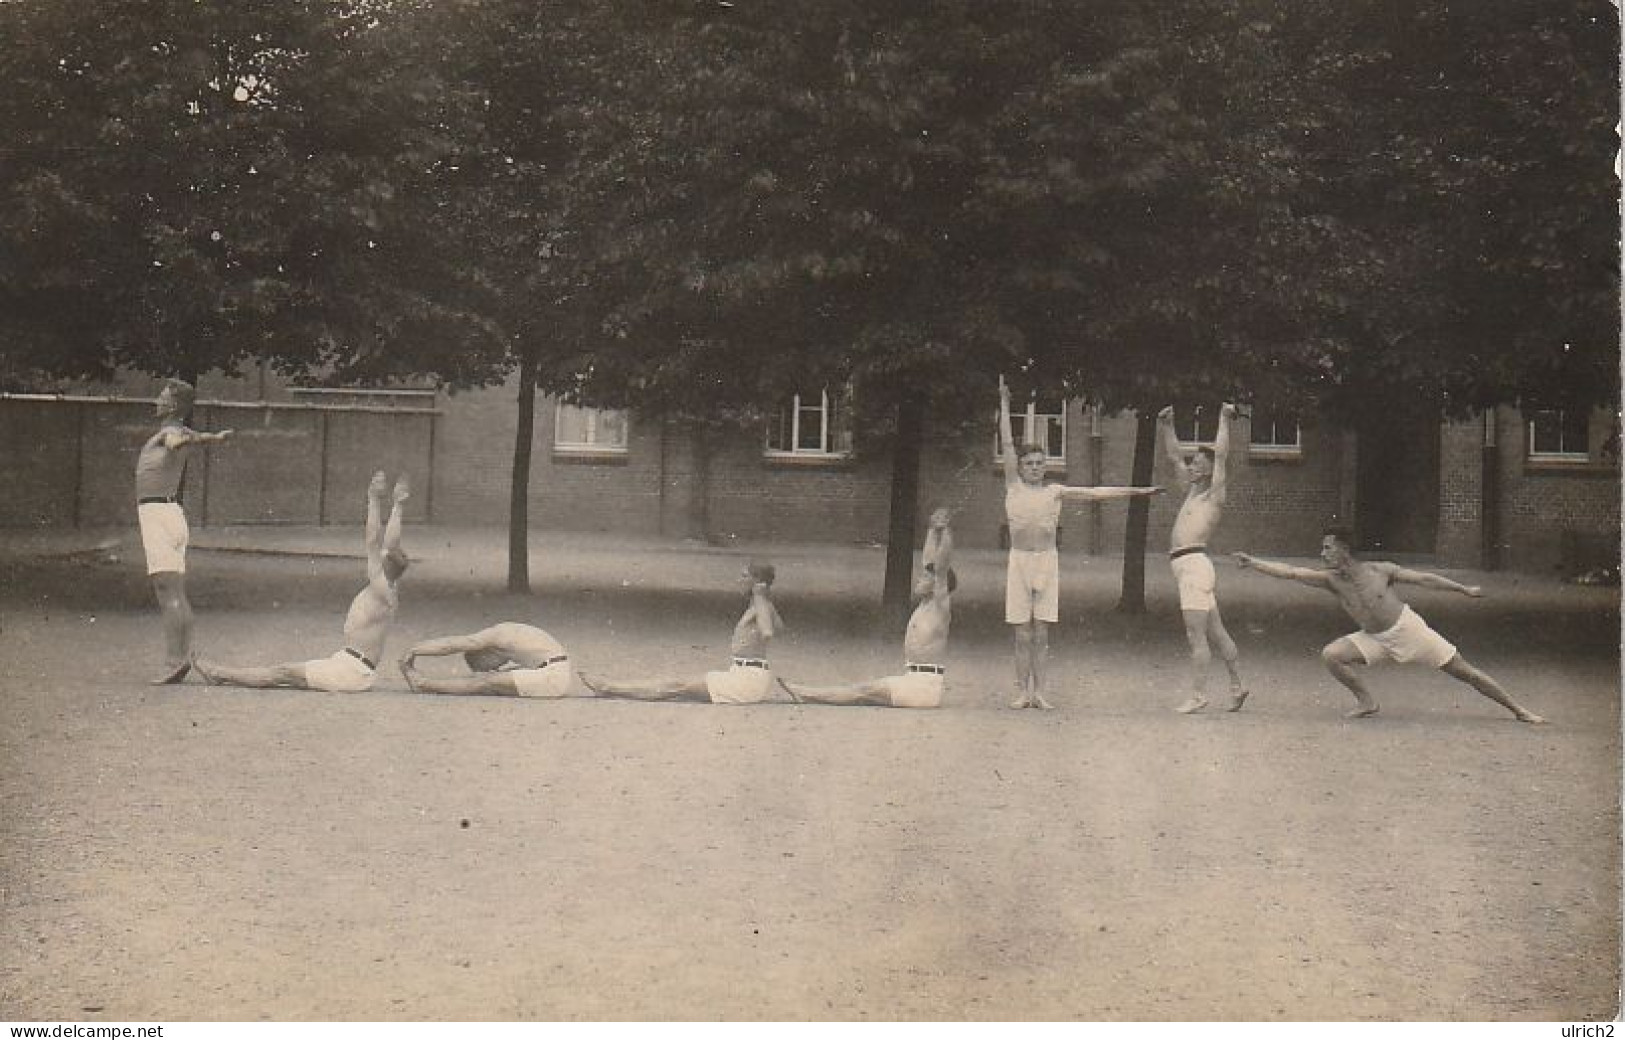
x,y
1364,711
1041,704
1237,699
204,669
410,674
591,682
1529,717
786,688
1022,701
176,674
1192,706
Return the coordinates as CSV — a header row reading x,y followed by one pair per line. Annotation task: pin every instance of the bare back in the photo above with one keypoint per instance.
x,y
367,624
750,636
926,641
525,646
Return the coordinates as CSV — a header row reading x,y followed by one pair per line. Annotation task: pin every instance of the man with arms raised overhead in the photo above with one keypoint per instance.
x,y
1206,481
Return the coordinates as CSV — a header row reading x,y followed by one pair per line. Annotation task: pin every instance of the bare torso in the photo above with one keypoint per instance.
x,y
158,467
367,624
1367,593
1198,516
1033,512
748,639
525,646
926,641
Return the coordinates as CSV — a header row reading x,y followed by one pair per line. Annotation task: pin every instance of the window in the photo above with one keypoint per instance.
x,y
588,431
1275,432
1558,434
1042,423
1196,428
812,425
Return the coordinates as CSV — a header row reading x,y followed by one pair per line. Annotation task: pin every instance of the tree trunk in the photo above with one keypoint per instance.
x,y
519,493
699,501
905,486
1132,598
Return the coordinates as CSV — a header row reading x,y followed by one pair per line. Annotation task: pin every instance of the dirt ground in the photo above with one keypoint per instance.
x,y
191,853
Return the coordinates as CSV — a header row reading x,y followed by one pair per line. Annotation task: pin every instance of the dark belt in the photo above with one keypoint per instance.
x,y
750,662
359,656
1177,553
933,669
552,660
153,500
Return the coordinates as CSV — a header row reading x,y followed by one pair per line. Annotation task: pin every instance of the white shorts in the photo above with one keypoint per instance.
x,y
740,684
550,682
342,673
1410,641
915,689
1193,572
1032,587
164,536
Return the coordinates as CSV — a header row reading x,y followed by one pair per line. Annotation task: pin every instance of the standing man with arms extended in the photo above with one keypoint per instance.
x,y
1032,509
1389,629
1205,479
159,467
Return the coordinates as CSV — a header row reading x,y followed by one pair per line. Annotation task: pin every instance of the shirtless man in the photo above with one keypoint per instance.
x,y
1205,480
352,669
748,681
508,660
1389,629
925,643
164,534
1032,583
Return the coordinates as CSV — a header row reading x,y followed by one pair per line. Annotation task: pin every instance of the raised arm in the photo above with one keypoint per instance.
x,y
375,525
1170,444
1221,451
392,529
1303,575
1429,580
939,551
1007,443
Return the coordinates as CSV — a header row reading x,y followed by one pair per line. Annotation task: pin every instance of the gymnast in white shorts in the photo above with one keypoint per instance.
x,y
507,660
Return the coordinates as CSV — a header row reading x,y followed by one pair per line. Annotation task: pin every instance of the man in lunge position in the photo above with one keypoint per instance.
x,y
1389,629
1032,583
1205,478
747,681
508,660
925,643
354,668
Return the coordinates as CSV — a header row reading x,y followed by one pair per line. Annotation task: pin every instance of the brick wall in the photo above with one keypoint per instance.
x,y
1541,507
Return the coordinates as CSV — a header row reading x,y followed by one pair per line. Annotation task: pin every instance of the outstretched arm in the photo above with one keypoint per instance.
x,y
185,437
446,646
1221,451
374,530
1102,494
1007,441
1304,575
1429,580
1170,444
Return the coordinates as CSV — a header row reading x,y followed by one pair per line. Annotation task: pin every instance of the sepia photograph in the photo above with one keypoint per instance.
x,y
669,511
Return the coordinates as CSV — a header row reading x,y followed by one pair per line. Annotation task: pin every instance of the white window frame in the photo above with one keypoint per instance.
x,y
828,431
1534,455
590,445
1275,448
1196,428
1053,460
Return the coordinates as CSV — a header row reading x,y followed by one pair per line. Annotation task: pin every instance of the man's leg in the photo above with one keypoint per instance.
x,y
1196,623
1218,637
876,693
494,684
170,589
647,689
1459,668
290,676
1341,657
1040,664
1022,640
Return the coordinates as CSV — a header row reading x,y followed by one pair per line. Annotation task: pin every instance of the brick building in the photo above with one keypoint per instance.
x,y
1503,489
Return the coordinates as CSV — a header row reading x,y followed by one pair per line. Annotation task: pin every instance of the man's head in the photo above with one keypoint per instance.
x,y
1030,462
175,400
760,572
1202,463
485,659
928,582
1336,545
395,564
